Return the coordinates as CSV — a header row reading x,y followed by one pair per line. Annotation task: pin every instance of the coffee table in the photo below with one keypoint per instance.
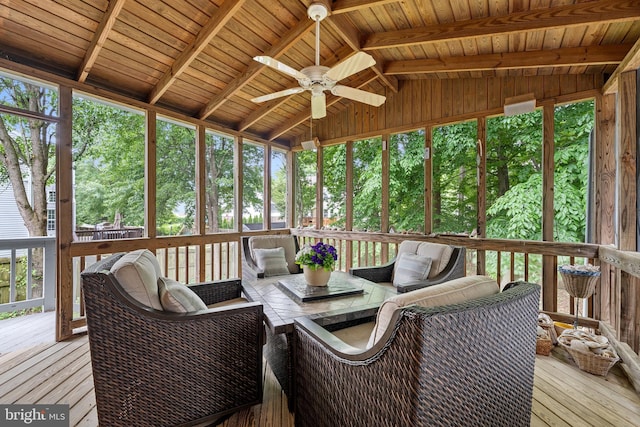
x,y
280,307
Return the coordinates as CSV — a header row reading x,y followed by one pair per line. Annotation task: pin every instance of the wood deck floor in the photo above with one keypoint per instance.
x,y
563,394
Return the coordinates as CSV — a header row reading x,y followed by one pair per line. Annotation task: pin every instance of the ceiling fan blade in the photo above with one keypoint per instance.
x,y
318,106
358,95
279,94
277,65
354,64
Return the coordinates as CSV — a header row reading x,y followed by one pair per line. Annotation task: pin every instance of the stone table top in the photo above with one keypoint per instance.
x,y
280,308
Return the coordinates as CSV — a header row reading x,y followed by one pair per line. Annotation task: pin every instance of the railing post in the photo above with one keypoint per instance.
x,y
49,276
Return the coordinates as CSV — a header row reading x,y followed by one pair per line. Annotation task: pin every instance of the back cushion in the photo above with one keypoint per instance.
x,y
440,254
271,242
272,261
452,292
178,298
138,272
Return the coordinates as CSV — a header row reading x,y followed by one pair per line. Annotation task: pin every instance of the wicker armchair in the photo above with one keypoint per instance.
x,y
152,367
250,269
469,364
453,268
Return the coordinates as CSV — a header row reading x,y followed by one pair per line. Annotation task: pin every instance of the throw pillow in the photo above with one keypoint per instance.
x,y
411,267
178,298
271,261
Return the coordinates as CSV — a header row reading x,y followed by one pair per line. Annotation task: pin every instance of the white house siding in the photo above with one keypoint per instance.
x,y
11,223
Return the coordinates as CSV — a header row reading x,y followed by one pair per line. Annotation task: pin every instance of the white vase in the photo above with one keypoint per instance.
x,y
319,277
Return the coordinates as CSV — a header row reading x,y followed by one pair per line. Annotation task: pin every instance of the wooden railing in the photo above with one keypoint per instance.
x,y
192,259
39,254
616,300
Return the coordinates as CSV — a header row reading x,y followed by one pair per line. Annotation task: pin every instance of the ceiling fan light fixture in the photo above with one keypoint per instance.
x,y
519,104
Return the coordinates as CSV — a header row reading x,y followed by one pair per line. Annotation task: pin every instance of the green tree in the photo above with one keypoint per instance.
x,y
109,177
219,191
253,182
28,149
454,177
335,184
406,181
367,184
305,185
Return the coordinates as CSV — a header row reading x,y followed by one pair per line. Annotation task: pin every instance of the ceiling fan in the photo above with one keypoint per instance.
x,y
318,78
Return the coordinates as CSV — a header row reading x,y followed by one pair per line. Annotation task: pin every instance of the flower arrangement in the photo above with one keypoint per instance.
x,y
318,256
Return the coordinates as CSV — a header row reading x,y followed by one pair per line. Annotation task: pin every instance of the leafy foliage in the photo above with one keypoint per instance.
x,y
406,181
454,177
108,143
335,184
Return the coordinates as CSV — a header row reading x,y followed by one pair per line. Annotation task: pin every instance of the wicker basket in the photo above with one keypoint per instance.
x,y
551,330
544,346
580,284
590,362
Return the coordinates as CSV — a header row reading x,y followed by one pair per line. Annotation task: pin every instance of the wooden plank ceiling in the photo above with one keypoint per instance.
x,y
195,56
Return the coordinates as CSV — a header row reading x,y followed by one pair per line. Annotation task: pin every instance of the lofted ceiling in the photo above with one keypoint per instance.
x,y
195,56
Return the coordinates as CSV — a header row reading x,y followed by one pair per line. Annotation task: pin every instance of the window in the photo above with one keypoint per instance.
x,y
108,167
219,183
454,173
367,184
406,181
175,182
278,189
305,191
253,156
51,220
335,185
51,197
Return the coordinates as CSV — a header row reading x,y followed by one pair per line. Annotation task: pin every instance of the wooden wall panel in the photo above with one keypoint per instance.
x,y
604,215
419,103
629,332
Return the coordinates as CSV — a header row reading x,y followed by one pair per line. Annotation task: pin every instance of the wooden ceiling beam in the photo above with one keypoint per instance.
x,y
603,11
303,117
563,57
206,34
351,36
346,6
100,36
255,68
630,62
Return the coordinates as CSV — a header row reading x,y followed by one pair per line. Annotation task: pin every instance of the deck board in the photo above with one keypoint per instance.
x,y
563,394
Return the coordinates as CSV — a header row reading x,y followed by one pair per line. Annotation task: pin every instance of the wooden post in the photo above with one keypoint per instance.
x,y
291,194
384,211
549,262
605,307
64,215
428,180
627,133
238,183
319,186
150,175
266,193
349,202
201,227
481,214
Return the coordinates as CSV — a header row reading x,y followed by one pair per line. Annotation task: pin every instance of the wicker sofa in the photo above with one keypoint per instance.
x,y
462,364
443,263
160,368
